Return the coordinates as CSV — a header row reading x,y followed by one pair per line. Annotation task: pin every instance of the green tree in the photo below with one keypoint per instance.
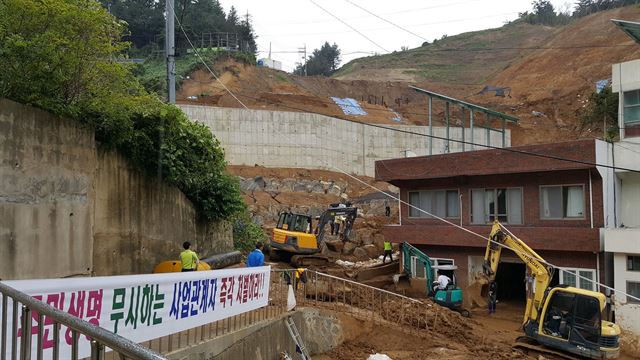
x,y
61,55
247,35
232,19
323,61
144,18
602,111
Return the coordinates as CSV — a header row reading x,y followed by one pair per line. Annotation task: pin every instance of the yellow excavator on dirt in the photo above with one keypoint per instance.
x,y
294,238
558,320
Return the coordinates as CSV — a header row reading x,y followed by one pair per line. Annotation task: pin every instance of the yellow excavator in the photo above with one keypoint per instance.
x,y
561,320
295,240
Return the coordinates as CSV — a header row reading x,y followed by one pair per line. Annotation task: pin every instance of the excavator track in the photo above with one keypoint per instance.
x,y
529,345
309,260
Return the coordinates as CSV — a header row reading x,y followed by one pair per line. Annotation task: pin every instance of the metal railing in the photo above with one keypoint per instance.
x,y
359,300
31,307
320,290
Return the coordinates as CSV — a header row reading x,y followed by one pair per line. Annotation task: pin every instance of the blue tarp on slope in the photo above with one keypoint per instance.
x,y
349,106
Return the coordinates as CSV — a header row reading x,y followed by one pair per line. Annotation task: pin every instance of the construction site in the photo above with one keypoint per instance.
x,y
413,205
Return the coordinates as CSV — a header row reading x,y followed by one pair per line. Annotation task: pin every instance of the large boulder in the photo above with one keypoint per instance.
x,y
372,251
348,247
335,245
361,253
378,241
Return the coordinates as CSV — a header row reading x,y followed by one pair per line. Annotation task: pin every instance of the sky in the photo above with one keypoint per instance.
x,y
288,25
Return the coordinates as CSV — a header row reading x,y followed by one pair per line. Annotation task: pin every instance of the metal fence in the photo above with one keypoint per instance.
x,y
314,289
366,302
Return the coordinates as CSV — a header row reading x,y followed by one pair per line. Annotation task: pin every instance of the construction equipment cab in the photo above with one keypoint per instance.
x,y
562,318
294,238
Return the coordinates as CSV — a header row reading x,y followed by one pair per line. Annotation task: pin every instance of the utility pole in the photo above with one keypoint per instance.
x,y
170,51
303,50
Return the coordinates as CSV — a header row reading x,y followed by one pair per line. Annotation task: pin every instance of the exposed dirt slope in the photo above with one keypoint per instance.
x,y
468,58
554,80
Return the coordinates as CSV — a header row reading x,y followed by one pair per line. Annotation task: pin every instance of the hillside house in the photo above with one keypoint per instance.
x,y
622,229
557,207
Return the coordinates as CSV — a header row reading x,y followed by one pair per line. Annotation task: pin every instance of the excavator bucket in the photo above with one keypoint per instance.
x,y
476,293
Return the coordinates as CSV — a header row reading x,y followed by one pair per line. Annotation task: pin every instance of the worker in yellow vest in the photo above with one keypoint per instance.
x,y
388,250
189,258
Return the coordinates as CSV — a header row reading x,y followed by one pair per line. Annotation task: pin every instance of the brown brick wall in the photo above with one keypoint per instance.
x,y
530,184
632,131
487,162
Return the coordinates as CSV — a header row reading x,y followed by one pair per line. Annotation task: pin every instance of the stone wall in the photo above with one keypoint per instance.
x,y
67,209
313,141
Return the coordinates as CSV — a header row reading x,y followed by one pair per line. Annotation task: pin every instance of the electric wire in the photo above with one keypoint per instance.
x,y
385,20
435,216
488,146
482,236
200,57
349,25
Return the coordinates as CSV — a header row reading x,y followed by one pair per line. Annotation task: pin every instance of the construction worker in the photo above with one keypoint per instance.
x,y
256,257
189,258
493,297
442,282
388,250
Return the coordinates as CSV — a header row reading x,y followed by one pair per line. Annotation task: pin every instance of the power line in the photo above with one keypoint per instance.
x,y
484,237
385,20
348,25
201,59
553,157
507,149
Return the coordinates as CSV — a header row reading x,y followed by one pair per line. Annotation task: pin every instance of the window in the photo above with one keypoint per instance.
x,y
568,277
632,106
633,289
562,202
504,205
442,203
418,269
633,263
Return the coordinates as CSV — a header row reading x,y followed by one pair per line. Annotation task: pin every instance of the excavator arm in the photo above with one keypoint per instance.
x,y
538,273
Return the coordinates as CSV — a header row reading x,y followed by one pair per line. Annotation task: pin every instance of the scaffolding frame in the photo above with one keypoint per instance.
x,y
473,110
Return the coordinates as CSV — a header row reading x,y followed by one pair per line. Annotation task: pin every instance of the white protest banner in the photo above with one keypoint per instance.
x,y
143,307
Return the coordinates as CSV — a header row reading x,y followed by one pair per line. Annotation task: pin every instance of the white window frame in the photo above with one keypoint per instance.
x,y
625,107
629,258
495,189
630,299
422,215
434,262
573,271
584,202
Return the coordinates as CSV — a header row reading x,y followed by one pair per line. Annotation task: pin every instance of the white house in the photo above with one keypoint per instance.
x,y
621,235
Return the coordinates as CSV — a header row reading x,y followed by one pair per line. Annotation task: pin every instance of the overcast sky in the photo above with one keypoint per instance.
x,y
290,24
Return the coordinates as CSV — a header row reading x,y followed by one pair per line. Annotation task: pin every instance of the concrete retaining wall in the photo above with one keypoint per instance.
x,y
47,167
67,209
321,331
305,140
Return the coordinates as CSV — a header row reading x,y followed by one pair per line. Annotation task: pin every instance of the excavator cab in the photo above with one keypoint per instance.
x,y
295,238
572,320
293,234
557,320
